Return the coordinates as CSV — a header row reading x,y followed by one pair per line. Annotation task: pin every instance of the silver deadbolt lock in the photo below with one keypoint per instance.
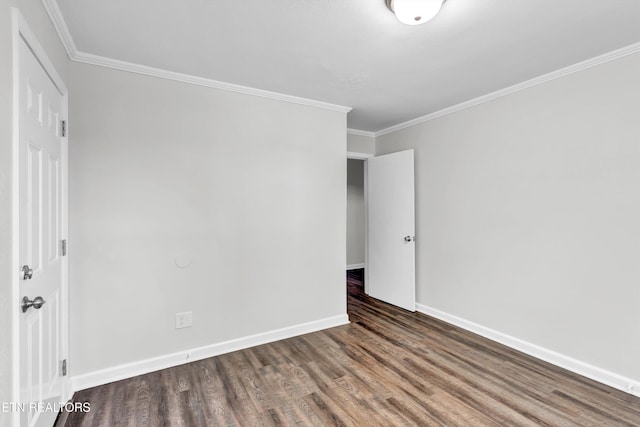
x,y
36,303
409,239
27,272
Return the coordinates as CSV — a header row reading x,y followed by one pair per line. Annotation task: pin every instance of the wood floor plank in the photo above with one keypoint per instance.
x,y
388,367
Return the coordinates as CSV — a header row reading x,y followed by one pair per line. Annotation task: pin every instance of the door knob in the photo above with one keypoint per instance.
x,y
408,239
36,303
27,272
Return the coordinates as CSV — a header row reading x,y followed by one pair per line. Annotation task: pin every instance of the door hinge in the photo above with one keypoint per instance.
x,y
63,128
63,247
64,367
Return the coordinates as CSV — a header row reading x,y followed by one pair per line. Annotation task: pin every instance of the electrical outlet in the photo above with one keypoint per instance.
x,y
184,320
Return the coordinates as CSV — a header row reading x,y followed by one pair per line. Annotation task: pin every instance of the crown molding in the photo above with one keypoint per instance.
x,y
102,61
361,133
56,18
580,66
55,15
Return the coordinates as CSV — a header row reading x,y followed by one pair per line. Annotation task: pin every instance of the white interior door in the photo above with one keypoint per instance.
x,y
391,229
41,216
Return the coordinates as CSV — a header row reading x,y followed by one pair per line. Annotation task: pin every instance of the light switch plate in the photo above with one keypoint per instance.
x,y
184,320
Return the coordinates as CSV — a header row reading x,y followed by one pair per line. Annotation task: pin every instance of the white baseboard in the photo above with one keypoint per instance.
x,y
355,266
595,373
140,367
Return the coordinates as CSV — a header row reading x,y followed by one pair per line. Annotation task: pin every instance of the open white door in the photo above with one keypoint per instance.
x,y
42,222
391,229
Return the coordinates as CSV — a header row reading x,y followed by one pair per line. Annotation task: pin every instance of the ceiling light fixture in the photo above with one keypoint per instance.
x,y
414,12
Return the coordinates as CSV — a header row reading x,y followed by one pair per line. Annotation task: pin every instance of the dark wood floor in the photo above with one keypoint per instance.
x,y
388,367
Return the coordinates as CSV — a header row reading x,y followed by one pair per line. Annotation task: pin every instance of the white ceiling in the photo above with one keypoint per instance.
x,y
354,52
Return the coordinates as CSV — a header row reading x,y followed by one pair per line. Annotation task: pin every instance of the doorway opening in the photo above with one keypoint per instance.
x,y
381,225
357,220
356,215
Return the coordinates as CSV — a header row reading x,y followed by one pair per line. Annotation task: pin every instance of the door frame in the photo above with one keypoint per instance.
x,y
21,30
364,157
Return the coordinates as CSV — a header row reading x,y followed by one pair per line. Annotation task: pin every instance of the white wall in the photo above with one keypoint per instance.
x,y
361,144
528,214
250,190
37,19
355,212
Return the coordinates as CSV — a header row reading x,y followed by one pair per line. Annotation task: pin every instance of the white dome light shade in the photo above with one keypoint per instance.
x,y
414,12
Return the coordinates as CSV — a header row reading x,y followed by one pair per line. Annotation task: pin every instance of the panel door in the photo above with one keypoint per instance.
x,y
391,234
40,218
